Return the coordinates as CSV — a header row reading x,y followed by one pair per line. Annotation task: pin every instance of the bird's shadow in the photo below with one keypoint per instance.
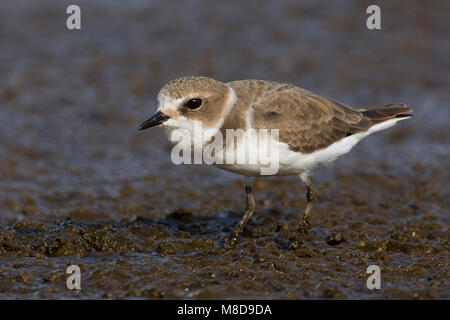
x,y
216,227
186,221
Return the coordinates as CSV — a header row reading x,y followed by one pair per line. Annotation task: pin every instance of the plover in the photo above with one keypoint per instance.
x,y
312,130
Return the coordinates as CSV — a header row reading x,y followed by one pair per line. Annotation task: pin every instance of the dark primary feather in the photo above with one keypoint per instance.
x,y
390,111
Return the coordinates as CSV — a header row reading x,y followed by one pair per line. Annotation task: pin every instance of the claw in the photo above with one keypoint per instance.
x,y
231,242
302,232
295,244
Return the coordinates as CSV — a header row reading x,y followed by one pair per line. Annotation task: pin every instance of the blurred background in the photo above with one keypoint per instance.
x,y
71,102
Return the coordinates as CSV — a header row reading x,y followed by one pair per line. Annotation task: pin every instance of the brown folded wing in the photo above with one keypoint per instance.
x,y
307,122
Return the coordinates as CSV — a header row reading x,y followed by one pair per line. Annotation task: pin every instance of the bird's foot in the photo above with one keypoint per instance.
x,y
295,244
232,240
302,233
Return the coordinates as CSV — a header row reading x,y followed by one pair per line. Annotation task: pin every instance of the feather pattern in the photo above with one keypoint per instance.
x,y
306,121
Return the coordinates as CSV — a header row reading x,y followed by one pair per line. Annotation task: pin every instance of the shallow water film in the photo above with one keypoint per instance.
x,y
79,185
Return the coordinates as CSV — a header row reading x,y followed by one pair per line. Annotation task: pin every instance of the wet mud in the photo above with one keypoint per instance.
x,y
80,185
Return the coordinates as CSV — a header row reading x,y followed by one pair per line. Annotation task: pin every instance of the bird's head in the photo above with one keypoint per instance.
x,y
188,99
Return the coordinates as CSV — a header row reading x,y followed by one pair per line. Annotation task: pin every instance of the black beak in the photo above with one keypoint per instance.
x,y
157,119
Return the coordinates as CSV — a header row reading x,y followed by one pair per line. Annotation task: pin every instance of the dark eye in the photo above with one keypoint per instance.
x,y
193,103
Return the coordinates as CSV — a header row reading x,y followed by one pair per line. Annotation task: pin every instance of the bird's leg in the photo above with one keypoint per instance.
x,y
232,239
304,226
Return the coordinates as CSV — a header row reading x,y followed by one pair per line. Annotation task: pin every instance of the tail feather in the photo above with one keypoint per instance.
x,y
388,112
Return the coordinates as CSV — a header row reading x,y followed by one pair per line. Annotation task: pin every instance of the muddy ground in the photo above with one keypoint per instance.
x,y
80,185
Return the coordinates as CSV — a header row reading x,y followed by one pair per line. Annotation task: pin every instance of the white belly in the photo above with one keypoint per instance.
x,y
294,163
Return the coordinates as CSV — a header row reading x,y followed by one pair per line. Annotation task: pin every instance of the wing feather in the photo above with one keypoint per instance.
x,y
307,122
